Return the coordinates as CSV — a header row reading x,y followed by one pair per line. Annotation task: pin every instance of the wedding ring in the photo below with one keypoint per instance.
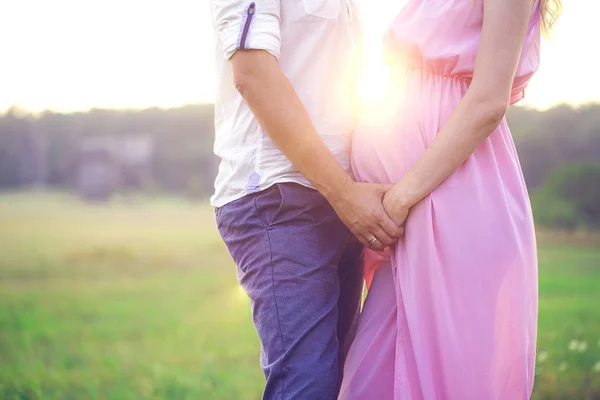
x,y
372,239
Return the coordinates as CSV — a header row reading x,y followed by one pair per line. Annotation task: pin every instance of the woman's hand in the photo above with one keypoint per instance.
x,y
396,205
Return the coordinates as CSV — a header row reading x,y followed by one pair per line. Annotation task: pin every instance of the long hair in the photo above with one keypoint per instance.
x,y
551,10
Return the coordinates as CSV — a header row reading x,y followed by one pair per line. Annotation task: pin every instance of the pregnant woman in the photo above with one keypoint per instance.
x,y
452,313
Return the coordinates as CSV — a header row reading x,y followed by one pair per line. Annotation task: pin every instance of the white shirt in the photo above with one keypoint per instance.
x,y
315,43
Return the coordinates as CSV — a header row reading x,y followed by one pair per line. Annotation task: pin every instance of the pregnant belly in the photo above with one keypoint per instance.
x,y
392,136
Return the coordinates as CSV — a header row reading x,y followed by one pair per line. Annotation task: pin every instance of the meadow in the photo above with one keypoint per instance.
x,y
138,300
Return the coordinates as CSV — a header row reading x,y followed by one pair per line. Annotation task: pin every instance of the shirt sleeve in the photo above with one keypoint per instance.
x,y
247,24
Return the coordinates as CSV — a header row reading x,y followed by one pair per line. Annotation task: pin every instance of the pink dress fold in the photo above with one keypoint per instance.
x,y
452,313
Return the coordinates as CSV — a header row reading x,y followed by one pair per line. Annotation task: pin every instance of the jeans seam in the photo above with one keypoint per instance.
x,y
276,310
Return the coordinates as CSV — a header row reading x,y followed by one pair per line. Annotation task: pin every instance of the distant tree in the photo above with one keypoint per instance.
x,y
570,197
545,140
183,136
15,130
551,211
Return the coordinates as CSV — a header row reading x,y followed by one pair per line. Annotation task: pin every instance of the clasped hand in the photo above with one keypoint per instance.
x,y
373,213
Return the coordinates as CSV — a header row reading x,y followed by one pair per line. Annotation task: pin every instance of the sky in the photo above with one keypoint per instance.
x,y
69,55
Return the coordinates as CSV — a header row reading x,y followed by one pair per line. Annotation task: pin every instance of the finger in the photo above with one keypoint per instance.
x,y
390,227
363,240
376,245
378,249
383,237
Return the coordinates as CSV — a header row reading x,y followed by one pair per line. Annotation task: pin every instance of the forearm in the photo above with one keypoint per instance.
x,y
279,111
482,108
473,120
478,113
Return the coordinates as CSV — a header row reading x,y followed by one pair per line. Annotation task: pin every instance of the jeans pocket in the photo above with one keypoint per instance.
x,y
269,204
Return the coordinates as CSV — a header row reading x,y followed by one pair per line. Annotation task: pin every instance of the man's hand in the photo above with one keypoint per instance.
x,y
359,206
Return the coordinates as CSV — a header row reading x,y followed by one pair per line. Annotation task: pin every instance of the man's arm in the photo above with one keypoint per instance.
x,y
279,111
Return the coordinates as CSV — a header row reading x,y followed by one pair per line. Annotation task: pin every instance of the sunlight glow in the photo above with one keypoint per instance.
x,y
568,68
138,53
373,82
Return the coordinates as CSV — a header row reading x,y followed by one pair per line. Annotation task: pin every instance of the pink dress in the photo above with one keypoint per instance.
x,y
452,314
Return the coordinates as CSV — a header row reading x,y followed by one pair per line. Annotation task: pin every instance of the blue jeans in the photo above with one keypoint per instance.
x,y
302,269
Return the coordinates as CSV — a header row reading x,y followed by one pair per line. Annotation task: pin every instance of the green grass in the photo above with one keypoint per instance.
x,y
140,301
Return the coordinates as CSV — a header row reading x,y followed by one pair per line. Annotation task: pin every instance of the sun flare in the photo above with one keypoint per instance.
x,y
374,80
111,68
373,83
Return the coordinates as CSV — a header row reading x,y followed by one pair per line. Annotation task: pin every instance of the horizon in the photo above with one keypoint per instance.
x,y
19,111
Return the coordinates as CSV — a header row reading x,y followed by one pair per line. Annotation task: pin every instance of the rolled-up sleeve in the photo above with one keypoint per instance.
x,y
247,24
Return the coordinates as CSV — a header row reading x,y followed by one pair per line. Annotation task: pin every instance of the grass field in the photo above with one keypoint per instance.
x,y
141,302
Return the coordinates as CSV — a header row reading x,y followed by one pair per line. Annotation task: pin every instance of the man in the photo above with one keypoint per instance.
x,y
284,117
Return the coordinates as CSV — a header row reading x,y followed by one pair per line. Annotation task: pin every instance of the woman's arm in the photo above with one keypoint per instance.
x,y
479,112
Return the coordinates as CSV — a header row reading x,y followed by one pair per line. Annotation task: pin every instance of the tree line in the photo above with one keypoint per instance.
x,y
559,151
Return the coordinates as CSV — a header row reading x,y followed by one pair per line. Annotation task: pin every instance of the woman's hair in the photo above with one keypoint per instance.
x,y
551,10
